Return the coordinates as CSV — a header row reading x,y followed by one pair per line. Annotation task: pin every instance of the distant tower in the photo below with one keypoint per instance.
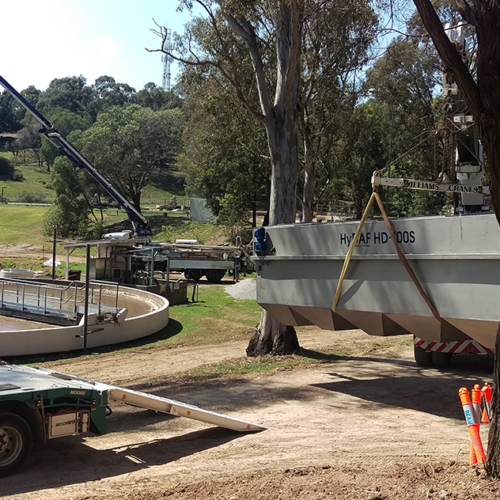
x,y
166,60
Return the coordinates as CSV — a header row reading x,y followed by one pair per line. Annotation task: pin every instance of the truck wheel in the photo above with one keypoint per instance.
x,y
441,359
193,274
215,275
422,357
15,442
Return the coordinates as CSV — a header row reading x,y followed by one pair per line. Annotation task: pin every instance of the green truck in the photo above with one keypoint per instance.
x,y
37,404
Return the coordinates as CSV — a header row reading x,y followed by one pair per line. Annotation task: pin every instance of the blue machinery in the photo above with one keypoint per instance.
x,y
139,222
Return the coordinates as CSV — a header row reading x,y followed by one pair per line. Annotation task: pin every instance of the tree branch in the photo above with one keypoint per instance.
x,y
450,56
245,31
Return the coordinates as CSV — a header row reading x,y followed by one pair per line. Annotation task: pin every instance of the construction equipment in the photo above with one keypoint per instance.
x,y
139,222
37,404
195,260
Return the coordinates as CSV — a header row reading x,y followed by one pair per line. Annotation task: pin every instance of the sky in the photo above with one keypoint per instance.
x,y
42,40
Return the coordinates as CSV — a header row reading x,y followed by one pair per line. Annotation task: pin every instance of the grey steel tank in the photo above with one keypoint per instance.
x,y
456,260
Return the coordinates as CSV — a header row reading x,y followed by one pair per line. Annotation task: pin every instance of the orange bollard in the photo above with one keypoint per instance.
x,y
472,455
476,403
487,395
471,424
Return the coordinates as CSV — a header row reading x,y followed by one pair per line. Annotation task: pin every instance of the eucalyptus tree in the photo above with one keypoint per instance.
x,y
233,26
337,41
154,97
223,158
271,36
107,93
72,210
402,86
8,119
65,122
71,93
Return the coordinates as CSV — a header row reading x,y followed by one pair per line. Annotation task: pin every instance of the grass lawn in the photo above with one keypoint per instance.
x,y
36,181
22,224
215,318
36,264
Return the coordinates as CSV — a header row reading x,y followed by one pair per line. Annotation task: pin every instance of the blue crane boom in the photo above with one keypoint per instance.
x,y
139,222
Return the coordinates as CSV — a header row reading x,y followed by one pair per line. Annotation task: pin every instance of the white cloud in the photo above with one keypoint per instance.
x,y
105,46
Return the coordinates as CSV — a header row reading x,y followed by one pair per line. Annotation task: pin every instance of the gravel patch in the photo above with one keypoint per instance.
x,y
244,289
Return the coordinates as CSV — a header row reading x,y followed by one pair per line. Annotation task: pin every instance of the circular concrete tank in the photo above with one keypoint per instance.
x,y
141,314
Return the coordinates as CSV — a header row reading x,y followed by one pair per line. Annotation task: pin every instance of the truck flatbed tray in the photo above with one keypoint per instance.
x,y
16,379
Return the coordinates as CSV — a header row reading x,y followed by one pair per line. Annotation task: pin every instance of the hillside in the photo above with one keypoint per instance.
x,y
33,185
29,199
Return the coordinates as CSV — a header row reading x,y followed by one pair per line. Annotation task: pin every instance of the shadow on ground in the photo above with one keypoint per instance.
x,y
69,461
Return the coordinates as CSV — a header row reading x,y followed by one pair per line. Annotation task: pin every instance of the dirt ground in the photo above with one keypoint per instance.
x,y
370,425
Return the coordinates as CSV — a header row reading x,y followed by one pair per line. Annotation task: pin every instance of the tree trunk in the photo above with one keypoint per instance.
x,y
491,142
493,455
272,337
281,123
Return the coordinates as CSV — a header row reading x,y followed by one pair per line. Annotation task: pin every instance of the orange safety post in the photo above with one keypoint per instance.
x,y
487,395
476,403
471,424
472,455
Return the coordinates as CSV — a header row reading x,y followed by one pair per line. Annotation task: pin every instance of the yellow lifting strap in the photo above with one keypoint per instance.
x,y
352,246
401,255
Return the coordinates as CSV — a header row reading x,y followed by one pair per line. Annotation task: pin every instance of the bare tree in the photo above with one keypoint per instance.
x,y
482,95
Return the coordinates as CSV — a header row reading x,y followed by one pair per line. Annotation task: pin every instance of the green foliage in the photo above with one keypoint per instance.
x,y
155,98
8,119
70,212
131,144
405,79
65,122
6,169
109,93
30,197
69,224
360,154
31,94
226,153
227,158
69,93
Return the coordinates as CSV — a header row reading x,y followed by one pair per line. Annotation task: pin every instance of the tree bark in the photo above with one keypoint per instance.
x,y
281,123
272,337
493,457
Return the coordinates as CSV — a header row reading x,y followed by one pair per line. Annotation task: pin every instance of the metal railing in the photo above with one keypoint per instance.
x,y
60,300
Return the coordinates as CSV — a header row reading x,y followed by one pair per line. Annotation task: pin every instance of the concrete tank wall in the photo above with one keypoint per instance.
x,y
147,314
